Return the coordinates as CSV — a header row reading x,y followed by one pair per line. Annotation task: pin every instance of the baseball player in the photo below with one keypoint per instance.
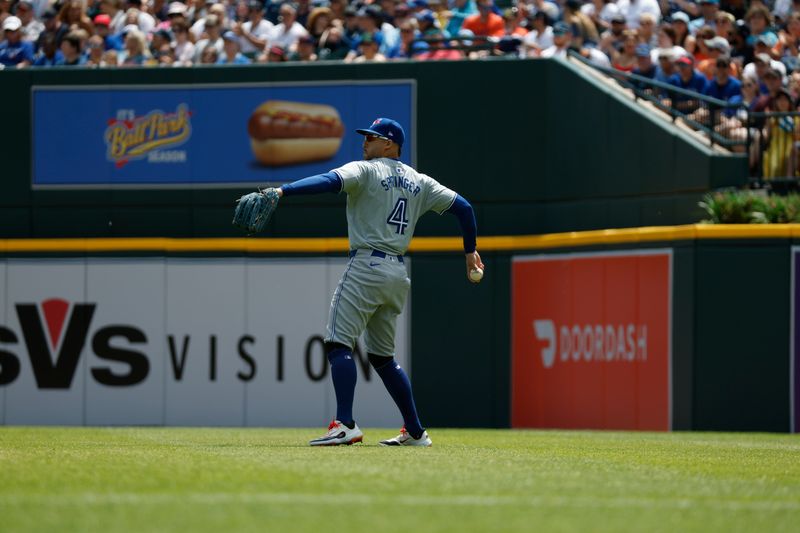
x,y
385,198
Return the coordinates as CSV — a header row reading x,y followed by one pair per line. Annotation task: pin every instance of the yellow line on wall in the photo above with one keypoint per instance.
x,y
418,244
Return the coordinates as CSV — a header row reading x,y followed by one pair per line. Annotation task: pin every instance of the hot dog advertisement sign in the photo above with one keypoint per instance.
x,y
207,135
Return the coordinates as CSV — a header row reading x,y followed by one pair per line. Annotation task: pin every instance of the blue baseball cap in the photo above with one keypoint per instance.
x,y
386,128
642,50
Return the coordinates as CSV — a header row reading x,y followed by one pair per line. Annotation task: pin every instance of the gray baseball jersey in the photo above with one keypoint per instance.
x,y
385,198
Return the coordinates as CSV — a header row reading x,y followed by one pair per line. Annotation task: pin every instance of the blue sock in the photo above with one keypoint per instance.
x,y
344,375
399,387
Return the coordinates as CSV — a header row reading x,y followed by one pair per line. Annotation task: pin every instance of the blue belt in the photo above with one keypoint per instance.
x,y
378,253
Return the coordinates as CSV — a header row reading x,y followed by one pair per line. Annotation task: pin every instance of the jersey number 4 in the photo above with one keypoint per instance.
x,y
398,217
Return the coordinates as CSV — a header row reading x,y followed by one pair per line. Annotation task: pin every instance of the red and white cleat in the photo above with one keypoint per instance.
x,y
338,434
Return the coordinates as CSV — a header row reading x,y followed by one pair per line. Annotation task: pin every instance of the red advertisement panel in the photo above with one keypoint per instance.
x,y
591,341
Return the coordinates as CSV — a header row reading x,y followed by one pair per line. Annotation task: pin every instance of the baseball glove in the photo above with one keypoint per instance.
x,y
254,210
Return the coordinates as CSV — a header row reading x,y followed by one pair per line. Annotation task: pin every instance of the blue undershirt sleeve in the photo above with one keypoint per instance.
x,y
328,182
466,218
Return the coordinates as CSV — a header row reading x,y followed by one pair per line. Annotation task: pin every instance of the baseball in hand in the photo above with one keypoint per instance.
x,y
476,274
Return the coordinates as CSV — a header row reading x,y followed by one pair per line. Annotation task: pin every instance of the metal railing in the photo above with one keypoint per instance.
x,y
771,140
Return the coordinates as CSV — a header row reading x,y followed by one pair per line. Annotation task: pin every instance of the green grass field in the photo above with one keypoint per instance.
x,y
168,479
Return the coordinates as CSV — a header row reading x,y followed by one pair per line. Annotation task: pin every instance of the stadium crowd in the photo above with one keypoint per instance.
x,y
743,51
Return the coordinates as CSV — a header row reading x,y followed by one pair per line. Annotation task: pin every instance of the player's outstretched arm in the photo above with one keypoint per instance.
x,y
328,182
462,209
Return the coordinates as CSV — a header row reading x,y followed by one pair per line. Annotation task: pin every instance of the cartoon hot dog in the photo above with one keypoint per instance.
x,y
284,133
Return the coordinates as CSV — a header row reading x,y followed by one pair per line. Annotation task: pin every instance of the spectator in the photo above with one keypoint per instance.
x,y
368,51
625,59
110,58
159,11
175,12
667,40
602,12
611,41
644,65
723,86
460,10
101,28
725,25
254,34
485,22
51,25
71,50
286,34
14,52
337,8
540,37
49,55
303,11
772,84
95,48
135,52
319,20
583,29
633,9
117,16
562,39
184,48
763,63
306,50
428,25
704,34
741,52
369,21
647,30
788,47
31,28
717,47
759,20
688,79
779,134
409,46
198,29
735,127
387,10
209,55
158,40
275,54
708,11
350,31
666,65
511,23
73,15
212,30
230,51
683,37
331,45
136,15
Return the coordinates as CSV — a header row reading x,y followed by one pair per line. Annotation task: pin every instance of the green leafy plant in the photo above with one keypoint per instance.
x,y
730,207
748,207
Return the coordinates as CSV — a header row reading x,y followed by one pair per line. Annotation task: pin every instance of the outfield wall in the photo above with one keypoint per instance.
x,y
683,328
538,146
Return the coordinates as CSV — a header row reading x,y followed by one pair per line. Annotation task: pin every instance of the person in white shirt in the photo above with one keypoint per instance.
x,y
562,38
287,33
137,15
540,37
199,27
632,9
254,34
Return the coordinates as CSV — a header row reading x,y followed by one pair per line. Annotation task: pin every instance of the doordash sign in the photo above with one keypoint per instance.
x,y
591,340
